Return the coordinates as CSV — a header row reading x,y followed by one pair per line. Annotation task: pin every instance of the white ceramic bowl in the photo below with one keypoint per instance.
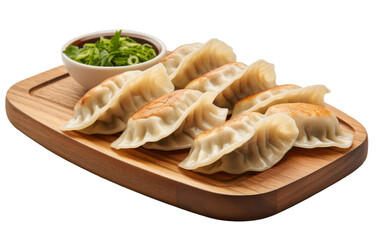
x,y
90,76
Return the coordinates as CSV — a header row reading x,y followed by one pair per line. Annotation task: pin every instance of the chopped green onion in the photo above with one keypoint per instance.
x,y
132,60
116,51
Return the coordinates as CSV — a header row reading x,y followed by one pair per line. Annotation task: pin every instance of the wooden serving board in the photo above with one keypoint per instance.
x,y
40,105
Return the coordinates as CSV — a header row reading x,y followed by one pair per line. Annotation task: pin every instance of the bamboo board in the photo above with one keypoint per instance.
x,y
40,105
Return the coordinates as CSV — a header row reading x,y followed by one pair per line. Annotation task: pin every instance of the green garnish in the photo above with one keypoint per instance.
x,y
116,51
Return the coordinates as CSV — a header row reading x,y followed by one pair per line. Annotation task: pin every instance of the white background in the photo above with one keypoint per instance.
x,y
335,43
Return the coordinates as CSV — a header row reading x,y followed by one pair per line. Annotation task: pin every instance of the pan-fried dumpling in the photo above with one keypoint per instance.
x,y
250,142
200,60
235,81
172,121
106,108
318,126
219,78
288,93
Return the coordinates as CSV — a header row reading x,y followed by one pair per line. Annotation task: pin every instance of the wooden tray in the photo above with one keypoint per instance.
x,y
39,105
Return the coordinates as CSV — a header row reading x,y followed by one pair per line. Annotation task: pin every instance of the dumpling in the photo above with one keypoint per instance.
x,y
235,81
250,142
219,78
172,121
172,61
196,61
106,108
288,93
318,126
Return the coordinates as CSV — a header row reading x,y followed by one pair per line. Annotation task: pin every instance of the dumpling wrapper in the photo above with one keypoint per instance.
x,y
193,60
172,121
106,108
287,93
318,126
235,81
250,142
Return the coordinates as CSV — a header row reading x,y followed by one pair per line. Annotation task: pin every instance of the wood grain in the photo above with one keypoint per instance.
x,y
39,105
